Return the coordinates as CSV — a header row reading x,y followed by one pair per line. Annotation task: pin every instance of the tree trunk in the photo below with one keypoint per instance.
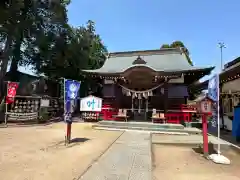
x,y
16,58
4,59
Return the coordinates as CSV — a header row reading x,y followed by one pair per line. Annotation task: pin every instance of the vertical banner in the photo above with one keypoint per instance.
x,y
213,94
11,92
71,93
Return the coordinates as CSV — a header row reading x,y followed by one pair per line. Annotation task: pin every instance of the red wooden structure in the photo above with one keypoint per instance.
x,y
176,116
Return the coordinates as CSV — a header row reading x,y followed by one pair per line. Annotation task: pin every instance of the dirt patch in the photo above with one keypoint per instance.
x,y
40,152
183,163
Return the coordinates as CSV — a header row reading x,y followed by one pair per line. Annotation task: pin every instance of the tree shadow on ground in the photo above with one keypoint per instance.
x,y
77,141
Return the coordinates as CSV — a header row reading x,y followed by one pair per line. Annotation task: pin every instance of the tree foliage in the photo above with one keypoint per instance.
x,y
66,55
37,33
179,44
165,46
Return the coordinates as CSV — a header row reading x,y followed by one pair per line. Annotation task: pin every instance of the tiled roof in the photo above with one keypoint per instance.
x,y
167,60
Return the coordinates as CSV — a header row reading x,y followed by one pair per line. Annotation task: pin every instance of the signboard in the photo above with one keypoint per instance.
x,y
44,103
91,103
205,106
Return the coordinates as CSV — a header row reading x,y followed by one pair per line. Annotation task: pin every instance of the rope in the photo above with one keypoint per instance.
x,y
149,90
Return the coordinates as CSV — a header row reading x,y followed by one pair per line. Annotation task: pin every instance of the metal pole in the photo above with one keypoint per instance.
x,y
221,46
221,59
218,113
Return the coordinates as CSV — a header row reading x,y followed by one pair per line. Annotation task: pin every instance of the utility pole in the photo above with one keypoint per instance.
x,y
221,46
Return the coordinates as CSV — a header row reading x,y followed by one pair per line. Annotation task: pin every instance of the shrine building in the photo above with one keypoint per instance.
x,y
145,82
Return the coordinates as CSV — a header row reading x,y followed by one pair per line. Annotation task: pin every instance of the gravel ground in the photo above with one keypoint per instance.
x,y
183,163
34,153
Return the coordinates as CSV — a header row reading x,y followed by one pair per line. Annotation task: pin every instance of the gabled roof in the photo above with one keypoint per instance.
x,y
160,60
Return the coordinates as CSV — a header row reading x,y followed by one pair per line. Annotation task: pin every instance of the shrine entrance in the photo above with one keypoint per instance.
x,y
140,109
139,84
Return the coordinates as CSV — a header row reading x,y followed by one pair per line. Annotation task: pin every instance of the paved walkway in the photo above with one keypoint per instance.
x,y
129,158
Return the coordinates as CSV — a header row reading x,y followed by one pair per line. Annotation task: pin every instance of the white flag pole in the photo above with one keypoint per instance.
x,y
218,158
218,114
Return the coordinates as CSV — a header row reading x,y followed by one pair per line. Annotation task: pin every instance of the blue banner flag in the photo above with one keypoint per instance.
x,y
213,125
71,93
71,89
213,94
213,88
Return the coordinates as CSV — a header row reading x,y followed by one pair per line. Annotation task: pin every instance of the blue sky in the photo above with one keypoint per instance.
x,y
146,24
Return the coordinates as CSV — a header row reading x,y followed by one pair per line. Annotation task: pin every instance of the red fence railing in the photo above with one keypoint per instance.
x,y
181,114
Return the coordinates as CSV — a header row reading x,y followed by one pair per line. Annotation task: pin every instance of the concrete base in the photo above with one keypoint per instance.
x,y
219,159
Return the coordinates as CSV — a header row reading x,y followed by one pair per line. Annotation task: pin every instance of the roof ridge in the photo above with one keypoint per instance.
x,y
147,52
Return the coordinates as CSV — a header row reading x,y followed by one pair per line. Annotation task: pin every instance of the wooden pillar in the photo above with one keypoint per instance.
x,y
185,99
166,95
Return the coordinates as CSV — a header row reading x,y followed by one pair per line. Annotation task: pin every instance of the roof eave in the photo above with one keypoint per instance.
x,y
203,70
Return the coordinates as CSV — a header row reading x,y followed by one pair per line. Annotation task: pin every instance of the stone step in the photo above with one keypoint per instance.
x,y
140,125
152,129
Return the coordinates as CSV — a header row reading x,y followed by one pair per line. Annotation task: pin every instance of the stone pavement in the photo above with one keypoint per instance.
x,y
129,158
190,139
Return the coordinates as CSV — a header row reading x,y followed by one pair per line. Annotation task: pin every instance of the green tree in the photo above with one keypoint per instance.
x,y
9,13
75,49
66,54
165,46
23,23
179,44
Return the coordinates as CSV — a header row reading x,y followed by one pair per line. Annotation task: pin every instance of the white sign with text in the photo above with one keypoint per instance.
x,y
91,103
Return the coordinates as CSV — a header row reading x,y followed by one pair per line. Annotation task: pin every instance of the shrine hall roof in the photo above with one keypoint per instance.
x,y
162,60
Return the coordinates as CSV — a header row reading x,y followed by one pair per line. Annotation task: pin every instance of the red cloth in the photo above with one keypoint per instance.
x,y
11,92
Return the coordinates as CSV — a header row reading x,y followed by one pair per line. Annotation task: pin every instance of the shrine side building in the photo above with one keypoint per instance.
x,y
229,83
145,81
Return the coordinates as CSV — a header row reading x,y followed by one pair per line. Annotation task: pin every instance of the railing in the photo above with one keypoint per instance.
x,y
177,116
184,107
